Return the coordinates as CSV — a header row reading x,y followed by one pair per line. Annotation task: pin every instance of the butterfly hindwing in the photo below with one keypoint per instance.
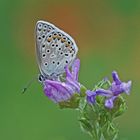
x,y
55,49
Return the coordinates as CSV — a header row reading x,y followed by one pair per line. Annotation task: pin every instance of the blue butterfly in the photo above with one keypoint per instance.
x,y
55,49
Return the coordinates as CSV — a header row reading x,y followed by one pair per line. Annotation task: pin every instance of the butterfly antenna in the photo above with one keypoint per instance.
x,y
28,85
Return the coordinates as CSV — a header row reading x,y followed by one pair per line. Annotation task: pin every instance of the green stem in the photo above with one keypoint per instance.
x,y
98,123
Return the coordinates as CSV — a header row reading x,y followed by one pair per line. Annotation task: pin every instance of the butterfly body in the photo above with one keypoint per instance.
x,y
55,49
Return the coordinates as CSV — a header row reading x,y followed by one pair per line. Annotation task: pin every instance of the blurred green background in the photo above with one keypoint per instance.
x,y
108,35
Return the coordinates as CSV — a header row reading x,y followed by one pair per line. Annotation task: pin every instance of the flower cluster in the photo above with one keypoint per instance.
x,y
94,117
59,91
116,88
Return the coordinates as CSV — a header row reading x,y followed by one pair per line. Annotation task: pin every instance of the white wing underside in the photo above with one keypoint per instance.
x,y
55,49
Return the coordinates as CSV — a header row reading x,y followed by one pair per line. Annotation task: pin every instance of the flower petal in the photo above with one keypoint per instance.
x,y
109,102
75,69
116,89
126,87
116,78
57,91
103,92
91,95
48,93
60,86
68,73
74,84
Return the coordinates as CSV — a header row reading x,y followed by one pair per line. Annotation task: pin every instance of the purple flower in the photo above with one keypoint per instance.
x,y
91,95
117,87
59,91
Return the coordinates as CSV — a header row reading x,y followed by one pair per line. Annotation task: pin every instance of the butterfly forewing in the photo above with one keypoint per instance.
x,y
55,49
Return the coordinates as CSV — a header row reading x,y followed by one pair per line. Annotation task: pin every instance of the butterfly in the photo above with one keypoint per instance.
x,y
54,49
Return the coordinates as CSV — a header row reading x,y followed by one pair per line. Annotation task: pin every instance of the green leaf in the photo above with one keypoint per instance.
x,y
82,104
83,90
85,124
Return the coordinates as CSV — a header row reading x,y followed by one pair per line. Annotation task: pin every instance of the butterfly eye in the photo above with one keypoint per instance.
x,y
56,45
41,78
58,63
53,62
